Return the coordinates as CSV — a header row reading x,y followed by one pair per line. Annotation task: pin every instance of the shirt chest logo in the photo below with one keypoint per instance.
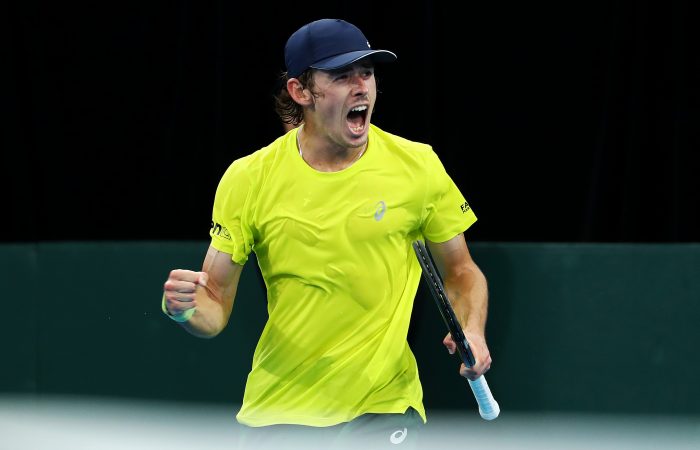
x,y
379,210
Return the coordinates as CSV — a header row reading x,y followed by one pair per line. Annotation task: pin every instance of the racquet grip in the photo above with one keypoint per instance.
x,y
488,406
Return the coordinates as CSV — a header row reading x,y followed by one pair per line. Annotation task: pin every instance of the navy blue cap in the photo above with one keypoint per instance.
x,y
328,44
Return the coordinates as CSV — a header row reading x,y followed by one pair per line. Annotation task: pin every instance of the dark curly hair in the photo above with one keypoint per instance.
x,y
290,111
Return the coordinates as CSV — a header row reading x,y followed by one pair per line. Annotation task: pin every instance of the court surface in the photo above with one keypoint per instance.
x,y
33,423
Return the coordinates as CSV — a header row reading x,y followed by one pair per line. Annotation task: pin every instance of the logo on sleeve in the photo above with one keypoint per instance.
x,y
219,230
465,207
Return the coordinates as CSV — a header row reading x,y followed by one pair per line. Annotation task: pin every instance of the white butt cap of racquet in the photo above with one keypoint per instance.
x,y
492,414
488,406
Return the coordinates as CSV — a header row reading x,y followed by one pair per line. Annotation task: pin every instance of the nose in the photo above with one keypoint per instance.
x,y
360,83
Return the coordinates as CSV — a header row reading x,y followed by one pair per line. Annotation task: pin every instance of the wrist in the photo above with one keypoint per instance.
x,y
180,317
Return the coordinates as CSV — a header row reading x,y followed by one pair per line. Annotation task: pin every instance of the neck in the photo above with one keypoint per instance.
x,y
331,160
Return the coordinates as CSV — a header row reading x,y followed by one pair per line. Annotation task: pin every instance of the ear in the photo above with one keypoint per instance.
x,y
298,93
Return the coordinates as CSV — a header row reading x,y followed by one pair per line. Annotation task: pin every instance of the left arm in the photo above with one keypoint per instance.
x,y
467,290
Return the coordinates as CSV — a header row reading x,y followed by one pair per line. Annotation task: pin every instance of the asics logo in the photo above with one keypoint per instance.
x,y
398,436
379,210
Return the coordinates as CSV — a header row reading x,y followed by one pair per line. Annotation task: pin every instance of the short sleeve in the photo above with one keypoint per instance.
x,y
231,230
446,212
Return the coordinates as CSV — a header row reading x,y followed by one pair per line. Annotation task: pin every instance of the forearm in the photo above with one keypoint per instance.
x,y
201,302
211,314
209,318
468,293
467,290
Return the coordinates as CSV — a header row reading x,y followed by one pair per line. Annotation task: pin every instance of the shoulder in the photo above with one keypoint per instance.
x,y
394,140
255,166
403,148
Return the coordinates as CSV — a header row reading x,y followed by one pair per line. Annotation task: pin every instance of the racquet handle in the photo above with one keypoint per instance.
x,y
488,406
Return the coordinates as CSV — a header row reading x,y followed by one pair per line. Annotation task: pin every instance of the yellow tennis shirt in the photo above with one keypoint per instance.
x,y
334,249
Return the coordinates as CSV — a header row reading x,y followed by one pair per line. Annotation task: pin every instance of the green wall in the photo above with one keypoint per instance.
x,y
572,327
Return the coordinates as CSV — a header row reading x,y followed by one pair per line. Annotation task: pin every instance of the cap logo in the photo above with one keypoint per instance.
x,y
368,46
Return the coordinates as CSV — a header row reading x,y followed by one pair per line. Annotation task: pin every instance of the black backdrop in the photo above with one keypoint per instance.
x,y
566,121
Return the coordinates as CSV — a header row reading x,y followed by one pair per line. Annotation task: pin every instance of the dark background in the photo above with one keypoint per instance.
x,y
569,122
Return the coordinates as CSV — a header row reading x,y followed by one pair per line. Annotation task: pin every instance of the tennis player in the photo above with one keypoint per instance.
x,y
330,209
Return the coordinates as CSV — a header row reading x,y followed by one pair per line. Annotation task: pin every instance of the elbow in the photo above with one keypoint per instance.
x,y
208,335
203,330
470,272
204,334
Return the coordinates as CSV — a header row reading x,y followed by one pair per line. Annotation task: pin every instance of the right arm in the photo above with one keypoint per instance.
x,y
210,291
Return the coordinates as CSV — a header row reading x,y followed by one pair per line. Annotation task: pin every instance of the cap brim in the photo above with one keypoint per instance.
x,y
338,61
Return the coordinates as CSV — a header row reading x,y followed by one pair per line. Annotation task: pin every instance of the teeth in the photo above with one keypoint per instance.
x,y
359,108
357,129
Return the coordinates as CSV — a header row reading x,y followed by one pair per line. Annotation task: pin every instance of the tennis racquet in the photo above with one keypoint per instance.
x,y
488,407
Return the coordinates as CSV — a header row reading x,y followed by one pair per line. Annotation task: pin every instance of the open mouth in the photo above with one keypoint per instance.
x,y
357,118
